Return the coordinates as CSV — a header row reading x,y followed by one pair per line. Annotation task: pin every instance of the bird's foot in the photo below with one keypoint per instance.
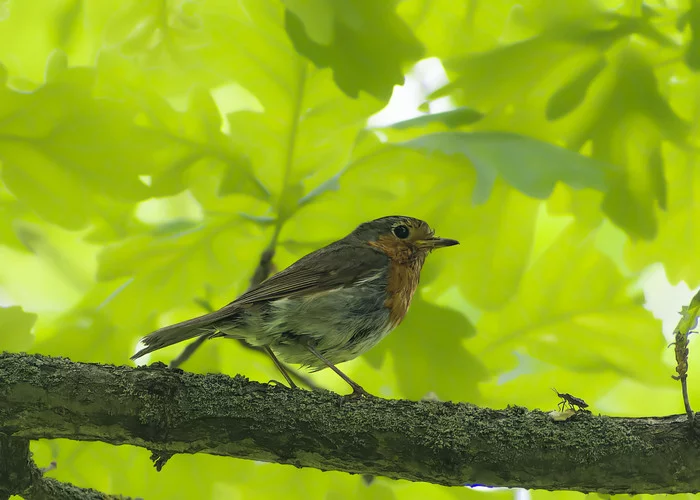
x,y
357,393
282,384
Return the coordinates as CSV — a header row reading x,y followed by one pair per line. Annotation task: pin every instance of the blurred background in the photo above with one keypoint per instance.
x,y
151,150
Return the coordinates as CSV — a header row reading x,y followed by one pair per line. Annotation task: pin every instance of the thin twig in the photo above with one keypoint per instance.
x,y
686,326
686,400
265,267
187,352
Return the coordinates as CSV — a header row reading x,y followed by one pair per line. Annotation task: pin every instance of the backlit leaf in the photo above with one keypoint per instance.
x,y
370,47
533,167
427,332
574,311
452,119
15,329
61,159
692,51
572,94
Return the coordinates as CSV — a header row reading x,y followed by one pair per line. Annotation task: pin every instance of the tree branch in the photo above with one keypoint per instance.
x,y
170,411
20,476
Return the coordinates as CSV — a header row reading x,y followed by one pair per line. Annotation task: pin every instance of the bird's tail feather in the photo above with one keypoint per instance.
x,y
169,335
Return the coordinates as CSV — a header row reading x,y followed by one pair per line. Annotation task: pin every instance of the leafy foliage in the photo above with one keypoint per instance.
x,y
531,167
343,35
151,150
18,325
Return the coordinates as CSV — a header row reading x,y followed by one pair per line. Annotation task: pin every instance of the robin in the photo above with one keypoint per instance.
x,y
328,307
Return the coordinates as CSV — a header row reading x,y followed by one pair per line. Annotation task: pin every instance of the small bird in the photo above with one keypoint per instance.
x,y
328,307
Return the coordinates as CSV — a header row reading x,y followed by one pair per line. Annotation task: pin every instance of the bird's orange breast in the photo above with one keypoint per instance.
x,y
403,281
404,274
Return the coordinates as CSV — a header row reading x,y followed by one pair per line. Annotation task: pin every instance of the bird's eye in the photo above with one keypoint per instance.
x,y
401,231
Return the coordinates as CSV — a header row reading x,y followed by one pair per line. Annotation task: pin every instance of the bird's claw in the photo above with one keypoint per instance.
x,y
357,393
280,384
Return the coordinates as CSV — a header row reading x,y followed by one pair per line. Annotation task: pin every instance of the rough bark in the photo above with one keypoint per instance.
x,y
20,476
171,411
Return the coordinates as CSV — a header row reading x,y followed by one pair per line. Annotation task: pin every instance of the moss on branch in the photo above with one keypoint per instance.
x,y
171,411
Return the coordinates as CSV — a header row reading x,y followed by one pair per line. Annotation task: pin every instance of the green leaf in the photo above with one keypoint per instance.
x,y
10,212
87,333
303,128
629,121
692,51
631,210
425,335
689,316
531,166
238,178
56,64
551,43
443,26
676,243
370,47
318,17
164,48
117,220
635,91
63,150
452,119
571,95
658,177
167,270
305,147
179,141
507,73
573,310
496,243
30,34
366,146
68,21
167,48
15,329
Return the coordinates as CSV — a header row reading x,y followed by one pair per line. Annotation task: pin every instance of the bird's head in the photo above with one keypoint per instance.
x,y
400,237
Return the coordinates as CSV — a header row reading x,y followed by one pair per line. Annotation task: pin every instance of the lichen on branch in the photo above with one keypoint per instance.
x,y
170,411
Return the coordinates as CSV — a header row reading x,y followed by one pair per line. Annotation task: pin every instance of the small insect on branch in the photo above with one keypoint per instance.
x,y
686,326
572,401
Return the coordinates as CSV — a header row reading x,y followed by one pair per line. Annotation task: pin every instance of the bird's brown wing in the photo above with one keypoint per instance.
x,y
336,265
328,268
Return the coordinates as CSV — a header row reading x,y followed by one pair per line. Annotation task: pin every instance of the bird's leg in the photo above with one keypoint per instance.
x,y
357,390
280,367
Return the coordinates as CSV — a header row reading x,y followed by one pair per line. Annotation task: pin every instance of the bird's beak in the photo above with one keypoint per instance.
x,y
434,243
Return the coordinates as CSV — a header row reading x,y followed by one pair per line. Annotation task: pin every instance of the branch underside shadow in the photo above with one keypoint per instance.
x,y
438,442
19,475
